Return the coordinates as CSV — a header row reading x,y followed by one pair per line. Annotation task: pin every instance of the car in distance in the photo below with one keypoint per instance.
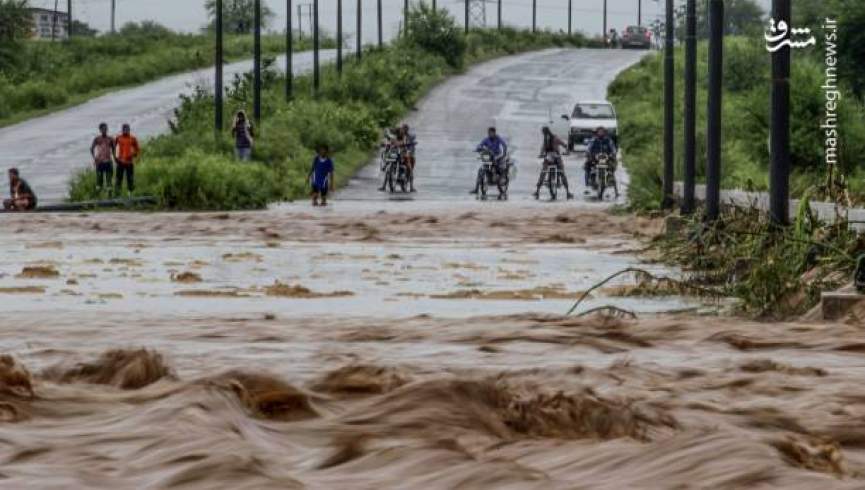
x,y
636,37
586,118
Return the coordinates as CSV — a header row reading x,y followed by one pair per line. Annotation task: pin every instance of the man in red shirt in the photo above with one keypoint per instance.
x,y
126,150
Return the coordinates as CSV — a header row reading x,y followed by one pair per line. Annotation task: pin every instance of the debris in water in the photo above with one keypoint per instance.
x,y
38,272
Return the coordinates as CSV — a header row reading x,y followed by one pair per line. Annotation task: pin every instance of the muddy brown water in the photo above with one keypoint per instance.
x,y
386,387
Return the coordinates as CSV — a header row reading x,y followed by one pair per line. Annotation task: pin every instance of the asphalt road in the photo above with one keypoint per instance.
x,y
49,149
518,95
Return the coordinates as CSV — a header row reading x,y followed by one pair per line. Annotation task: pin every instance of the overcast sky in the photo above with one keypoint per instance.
x,y
189,15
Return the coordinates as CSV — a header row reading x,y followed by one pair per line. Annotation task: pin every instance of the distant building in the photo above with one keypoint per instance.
x,y
44,21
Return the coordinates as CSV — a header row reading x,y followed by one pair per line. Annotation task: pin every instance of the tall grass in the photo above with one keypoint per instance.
x,y
637,94
48,75
191,168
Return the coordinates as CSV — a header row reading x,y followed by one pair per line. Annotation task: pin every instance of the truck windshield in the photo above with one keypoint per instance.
x,y
593,111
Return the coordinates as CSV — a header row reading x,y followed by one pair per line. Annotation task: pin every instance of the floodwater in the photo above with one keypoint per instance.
x,y
416,342
333,349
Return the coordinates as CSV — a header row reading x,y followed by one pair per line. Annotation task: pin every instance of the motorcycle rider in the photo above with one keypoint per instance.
x,y
551,144
401,137
601,143
498,148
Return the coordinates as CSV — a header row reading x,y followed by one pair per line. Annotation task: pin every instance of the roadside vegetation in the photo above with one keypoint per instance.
x,y
193,168
637,94
774,272
38,76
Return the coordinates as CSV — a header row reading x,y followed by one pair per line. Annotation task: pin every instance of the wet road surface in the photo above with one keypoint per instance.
x,y
518,95
50,149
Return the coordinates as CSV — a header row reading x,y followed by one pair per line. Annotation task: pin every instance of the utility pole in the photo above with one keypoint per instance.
x,y
339,36
113,15
256,109
316,73
713,116
690,107
639,12
499,16
405,19
68,19
467,16
380,23
54,21
257,62
300,8
605,23
779,169
534,16
289,52
570,16
360,28
217,76
669,133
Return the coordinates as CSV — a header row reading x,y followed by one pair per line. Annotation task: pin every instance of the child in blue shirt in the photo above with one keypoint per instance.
x,y
321,176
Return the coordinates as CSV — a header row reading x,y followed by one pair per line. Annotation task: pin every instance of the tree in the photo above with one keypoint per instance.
x,y
15,20
147,28
82,29
238,16
851,44
741,17
436,31
15,25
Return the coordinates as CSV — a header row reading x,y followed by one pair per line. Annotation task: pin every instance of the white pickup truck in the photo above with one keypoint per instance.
x,y
585,118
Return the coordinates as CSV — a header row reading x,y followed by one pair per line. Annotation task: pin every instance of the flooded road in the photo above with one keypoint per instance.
x,y
413,344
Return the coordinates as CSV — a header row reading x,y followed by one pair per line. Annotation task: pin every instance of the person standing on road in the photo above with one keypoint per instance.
x,y
244,135
22,197
126,150
102,150
321,176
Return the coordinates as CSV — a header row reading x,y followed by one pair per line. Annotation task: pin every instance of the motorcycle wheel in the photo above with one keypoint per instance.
x,y
552,184
390,183
602,185
482,185
504,181
403,180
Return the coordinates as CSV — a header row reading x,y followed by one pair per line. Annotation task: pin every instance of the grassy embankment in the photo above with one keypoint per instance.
x,y
774,272
193,169
637,94
48,76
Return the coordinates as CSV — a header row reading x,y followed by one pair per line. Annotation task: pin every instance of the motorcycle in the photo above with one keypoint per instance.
x,y
395,168
489,174
603,175
552,177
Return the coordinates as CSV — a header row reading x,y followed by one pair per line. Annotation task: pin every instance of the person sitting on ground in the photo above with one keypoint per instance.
x,y
244,136
498,148
102,150
321,176
22,197
551,144
126,150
